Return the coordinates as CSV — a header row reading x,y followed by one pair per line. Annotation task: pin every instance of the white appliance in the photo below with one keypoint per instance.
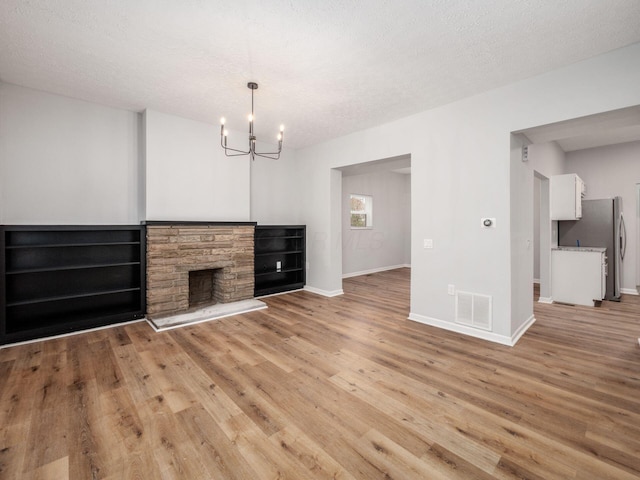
x,y
578,275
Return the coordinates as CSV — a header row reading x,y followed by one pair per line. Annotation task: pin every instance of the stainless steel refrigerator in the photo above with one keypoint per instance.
x,y
601,225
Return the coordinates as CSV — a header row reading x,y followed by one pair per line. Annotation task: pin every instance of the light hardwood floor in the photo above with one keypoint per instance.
x,y
329,388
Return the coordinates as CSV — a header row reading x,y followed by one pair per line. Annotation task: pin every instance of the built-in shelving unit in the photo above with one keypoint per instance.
x,y
58,279
280,262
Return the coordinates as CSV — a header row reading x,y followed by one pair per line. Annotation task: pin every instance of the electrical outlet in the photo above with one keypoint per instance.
x,y
428,243
451,289
278,266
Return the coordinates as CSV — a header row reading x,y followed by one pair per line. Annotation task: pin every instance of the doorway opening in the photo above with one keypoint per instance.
x,y
383,241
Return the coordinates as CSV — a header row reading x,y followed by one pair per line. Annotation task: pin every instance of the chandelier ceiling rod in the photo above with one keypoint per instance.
x,y
232,152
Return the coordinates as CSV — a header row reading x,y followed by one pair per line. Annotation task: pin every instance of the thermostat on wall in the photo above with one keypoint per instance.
x,y
488,222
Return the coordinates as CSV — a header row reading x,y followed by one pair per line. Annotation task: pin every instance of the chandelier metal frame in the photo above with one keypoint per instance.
x,y
252,137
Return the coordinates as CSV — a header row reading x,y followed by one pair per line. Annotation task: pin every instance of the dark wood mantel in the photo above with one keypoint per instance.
x,y
167,223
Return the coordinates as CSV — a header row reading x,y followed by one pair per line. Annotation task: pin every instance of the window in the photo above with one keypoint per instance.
x,y
361,211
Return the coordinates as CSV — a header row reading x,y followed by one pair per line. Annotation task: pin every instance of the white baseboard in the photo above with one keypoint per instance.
x,y
521,331
374,270
545,300
629,291
472,332
324,293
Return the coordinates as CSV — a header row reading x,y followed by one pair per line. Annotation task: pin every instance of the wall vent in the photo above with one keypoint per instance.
x,y
473,310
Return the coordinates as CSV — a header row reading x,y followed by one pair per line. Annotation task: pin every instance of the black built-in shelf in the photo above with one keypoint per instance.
x,y
59,279
284,244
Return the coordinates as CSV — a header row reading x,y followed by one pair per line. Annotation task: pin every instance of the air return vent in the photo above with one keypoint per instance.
x,y
473,310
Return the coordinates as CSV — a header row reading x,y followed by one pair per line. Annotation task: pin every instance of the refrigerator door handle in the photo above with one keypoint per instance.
x,y
623,237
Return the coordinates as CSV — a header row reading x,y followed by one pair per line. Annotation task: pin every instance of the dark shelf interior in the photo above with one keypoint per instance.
x,y
283,244
274,271
57,279
66,313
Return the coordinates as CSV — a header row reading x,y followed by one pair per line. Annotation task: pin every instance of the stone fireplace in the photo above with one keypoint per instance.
x,y
195,264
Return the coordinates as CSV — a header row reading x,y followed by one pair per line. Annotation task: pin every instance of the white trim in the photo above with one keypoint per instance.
x,y
472,332
545,300
77,332
536,280
522,329
374,270
324,293
629,291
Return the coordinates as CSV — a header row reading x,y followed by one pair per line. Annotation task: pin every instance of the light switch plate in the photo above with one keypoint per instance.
x,y
428,243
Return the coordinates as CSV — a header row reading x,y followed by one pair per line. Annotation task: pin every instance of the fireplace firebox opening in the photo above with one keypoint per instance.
x,y
205,287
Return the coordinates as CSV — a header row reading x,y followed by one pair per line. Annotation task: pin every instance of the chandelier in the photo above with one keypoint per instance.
x,y
232,152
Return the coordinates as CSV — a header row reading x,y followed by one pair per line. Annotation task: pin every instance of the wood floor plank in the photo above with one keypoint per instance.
x,y
51,471
88,458
137,379
223,459
392,460
266,459
233,380
299,446
175,457
22,390
329,388
47,439
425,423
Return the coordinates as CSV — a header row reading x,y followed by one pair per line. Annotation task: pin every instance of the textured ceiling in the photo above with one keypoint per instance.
x,y
325,67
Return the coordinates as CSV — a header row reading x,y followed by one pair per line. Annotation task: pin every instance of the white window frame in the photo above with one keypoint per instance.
x,y
367,200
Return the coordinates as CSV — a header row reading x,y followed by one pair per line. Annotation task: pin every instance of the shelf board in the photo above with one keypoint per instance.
x,y
278,288
62,245
71,297
264,237
70,267
279,252
271,272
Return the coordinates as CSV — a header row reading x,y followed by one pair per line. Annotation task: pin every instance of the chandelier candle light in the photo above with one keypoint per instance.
x,y
252,138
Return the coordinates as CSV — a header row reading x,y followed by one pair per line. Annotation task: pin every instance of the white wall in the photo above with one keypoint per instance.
x,y
613,171
465,167
65,161
188,177
406,208
384,245
275,194
546,160
536,229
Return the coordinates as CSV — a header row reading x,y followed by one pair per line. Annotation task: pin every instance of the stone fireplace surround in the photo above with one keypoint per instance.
x,y
176,248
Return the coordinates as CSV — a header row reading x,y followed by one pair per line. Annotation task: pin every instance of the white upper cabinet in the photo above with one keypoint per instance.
x,y
566,197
